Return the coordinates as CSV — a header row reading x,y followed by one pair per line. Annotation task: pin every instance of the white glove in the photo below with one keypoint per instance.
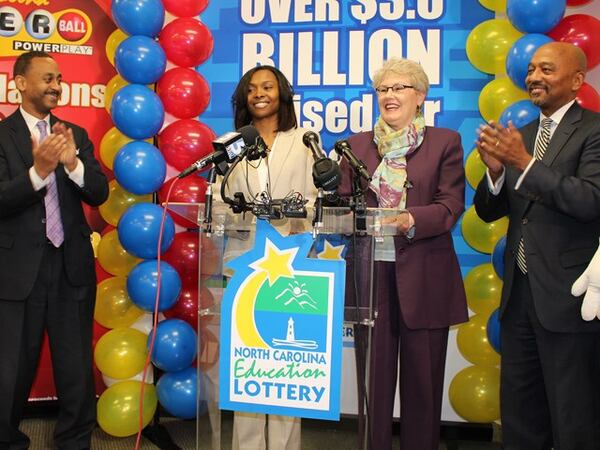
x,y
589,281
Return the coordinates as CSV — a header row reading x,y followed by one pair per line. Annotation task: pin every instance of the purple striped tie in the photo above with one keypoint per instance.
x,y
54,227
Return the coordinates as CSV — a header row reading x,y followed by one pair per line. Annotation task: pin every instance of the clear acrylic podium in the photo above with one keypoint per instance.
x,y
228,236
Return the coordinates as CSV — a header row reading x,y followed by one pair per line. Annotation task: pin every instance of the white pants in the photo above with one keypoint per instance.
x,y
249,432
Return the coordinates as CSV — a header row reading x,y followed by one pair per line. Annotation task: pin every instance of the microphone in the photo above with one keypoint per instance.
x,y
326,172
343,149
226,147
311,140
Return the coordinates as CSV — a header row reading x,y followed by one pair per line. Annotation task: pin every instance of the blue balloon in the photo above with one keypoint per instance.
x,y
137,111
519,57
140,59
140,167
177,392
498,256
535,16
145,17
142,284
493,330
520,113
175,345
139,230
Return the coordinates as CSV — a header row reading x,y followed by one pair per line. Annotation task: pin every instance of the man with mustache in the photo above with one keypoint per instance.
x,y
47,274
546,178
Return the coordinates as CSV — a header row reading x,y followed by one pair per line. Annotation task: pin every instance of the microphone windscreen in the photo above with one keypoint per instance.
x,y
249,134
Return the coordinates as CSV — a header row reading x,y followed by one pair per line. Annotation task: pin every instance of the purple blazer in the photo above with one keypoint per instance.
x,y
429,283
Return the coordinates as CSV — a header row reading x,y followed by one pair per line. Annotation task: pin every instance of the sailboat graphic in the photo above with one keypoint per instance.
x,y
290,340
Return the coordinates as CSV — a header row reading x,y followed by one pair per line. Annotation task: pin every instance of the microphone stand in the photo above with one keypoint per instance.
x,y
318,218
208,202
359,205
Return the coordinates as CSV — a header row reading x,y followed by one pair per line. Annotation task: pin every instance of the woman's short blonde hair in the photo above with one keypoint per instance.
x,y
400,66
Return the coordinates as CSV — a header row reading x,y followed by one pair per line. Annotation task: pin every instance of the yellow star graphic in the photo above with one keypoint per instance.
x,y
275,262
333,252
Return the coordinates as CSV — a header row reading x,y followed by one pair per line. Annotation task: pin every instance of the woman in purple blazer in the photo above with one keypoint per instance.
x,y
419,292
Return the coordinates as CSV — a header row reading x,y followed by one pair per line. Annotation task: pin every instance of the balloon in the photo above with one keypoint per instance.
x,y
140,167
137,111
209,350
108,381
578,2
110,144
114,308
142,285
496,96
184,92
488,44
143,17
119,200
113,257
535,16
112,87
191,189
474,394
186,41
583,31
183,256
187,308
121,353
113,41
483,289
175,345
498,257
140,59
493,330
494,5
519,56
520,113
588,97
474,168
185,8
177,392
472,341
184,142
480,235
140,227
119,408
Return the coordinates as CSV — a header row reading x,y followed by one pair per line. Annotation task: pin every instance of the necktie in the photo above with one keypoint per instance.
x,y
541,144
54,227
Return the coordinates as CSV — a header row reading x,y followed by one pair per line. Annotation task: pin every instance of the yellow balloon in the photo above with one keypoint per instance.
x,y
474,168
114,84
119,408
113,257
474,394
483,288
480,235
114,308
472,341
496,96
494,5
95,238
110,144
113,41
488,44
118,201
121,353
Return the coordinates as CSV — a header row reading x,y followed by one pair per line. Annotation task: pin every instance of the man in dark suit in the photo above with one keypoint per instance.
x,y
47,276
546,177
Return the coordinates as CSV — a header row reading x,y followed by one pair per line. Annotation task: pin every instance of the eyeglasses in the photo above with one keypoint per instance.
x,y
396,89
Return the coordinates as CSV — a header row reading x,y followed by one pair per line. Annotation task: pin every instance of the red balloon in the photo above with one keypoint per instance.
x,y
183,256
191,189
184,93
577,2
588,98
583,31
186,41
185,8
211,259
184,142
187,309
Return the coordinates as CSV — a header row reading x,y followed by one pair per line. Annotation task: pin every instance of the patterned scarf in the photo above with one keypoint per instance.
x,y
389,180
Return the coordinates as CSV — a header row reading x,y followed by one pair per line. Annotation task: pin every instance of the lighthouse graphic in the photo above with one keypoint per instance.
x,y
291,341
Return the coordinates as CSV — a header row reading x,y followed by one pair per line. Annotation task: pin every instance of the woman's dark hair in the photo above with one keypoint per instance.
x,y
286,116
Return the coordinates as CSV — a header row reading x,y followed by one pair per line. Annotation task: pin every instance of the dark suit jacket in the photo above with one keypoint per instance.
x,y
22,211
557,211
429,283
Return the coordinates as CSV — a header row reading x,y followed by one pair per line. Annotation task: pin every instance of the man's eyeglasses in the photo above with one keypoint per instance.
x,y
396,89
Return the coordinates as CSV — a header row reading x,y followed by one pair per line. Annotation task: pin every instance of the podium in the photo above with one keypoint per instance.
x,y
228,235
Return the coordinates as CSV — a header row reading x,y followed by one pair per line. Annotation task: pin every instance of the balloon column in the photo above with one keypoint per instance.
x,y
147,93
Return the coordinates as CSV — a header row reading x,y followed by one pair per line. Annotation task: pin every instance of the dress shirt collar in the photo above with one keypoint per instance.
x,y
558,114
32,121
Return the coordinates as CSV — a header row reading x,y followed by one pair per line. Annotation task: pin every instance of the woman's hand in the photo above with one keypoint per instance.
x,y
402,222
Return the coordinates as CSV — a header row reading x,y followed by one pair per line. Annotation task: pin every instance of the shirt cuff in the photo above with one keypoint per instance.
x,y
411,227
77,174
495,188
36,181
522,177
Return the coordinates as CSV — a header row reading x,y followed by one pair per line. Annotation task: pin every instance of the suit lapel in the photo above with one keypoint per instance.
x,y
528,133
22,137
565,129
279,154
